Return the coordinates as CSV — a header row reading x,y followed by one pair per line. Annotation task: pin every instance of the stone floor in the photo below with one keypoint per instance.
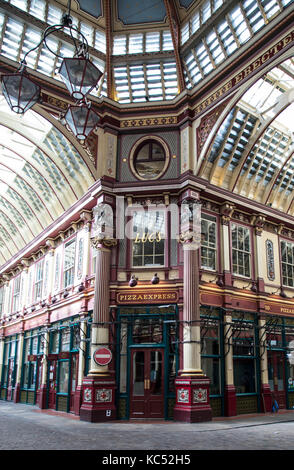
x,y
26,427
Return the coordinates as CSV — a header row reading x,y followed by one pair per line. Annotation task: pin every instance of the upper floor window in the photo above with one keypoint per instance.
x,y
148,238
208,242
16,294
287,255
38,280
69,263
241,250
2,295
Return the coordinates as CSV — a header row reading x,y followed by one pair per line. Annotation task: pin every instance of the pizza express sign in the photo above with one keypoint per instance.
x,y
160,296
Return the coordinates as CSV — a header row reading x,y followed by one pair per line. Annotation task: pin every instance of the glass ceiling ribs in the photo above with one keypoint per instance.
x,y
41,176
240,24
253,150
17,37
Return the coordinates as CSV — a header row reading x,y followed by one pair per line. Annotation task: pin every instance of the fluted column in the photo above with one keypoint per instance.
x,y
100,325
19,367
98,400
191,313
192,385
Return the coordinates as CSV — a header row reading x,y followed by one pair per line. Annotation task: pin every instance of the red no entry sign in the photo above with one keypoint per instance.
x,y
102,356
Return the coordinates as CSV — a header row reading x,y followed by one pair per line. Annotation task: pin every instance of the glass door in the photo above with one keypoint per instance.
x,y
276,374
52,383
147,383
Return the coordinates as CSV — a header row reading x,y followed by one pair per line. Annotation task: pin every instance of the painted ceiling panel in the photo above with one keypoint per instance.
x,y
141,11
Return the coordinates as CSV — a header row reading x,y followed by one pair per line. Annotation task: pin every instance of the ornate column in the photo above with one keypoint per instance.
x,y
266,396
227,210
192,385
19,367
1,356
99,386
82,360
43,391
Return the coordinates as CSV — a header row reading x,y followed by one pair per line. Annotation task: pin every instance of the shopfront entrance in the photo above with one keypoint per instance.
x,y
276,373
147,383
147,361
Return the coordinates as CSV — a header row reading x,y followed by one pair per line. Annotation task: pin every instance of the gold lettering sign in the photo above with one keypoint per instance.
x,y
162,296
152,237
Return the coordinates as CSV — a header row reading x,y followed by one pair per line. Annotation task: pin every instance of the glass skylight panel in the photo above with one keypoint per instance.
x,y
88,32
195,22
205,11
135,43
152,42
170,80
185,33
119,45
38,9
100,41
22,4
215,48
47,61
12,39
54,15
167,43
270,7
32,37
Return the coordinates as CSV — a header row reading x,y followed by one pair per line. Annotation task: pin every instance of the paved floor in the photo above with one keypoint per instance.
x,y
26,427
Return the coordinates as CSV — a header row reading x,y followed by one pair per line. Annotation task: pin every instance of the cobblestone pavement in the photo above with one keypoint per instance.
x,y
26,427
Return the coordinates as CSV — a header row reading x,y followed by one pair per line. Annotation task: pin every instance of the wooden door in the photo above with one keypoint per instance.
x,y
276,372
147,383
52,384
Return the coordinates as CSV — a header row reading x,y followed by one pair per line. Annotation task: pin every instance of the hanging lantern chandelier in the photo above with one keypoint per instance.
x,y
78,73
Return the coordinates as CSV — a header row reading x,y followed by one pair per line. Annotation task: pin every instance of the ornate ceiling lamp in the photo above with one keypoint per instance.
x,y
78,73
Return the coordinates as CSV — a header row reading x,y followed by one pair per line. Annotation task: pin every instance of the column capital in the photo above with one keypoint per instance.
x,y
190,239
101,241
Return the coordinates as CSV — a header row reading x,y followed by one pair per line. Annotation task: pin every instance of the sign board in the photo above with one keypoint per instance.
x,y
102,356
158,296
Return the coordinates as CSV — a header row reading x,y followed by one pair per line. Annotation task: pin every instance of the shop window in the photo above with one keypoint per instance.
x,y
38,280
211,351
241,251
2,298
244,355
63,376
208,242
69,263
148,238
287,256
33,347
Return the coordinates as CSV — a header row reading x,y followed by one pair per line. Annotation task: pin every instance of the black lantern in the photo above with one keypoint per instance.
x,y
79,75
20,92
81,119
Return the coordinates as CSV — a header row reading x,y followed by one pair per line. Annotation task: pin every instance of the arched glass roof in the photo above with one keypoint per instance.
x,y
41,176
252,153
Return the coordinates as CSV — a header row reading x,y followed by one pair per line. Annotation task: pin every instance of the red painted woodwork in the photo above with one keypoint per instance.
x,y
230,401
276,369
147,383
52,384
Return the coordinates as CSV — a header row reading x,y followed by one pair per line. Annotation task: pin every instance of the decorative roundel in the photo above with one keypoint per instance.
x,y
149,158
